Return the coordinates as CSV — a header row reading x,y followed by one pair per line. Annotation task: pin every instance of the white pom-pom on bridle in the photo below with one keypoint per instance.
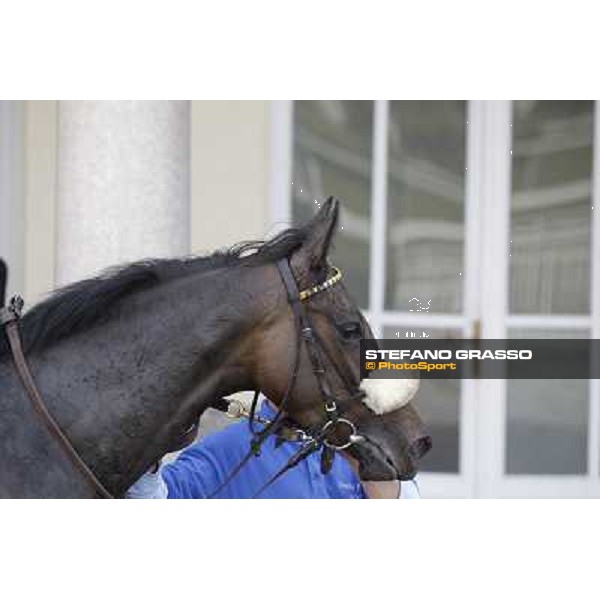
x,y
386,395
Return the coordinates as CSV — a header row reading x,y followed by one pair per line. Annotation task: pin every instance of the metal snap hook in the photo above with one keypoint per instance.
x,y
235,409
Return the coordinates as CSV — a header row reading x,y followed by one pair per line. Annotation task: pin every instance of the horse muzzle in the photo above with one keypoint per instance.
x,y
389,446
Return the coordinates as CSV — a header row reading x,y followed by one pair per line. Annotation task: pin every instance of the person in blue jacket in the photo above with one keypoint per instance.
x,y
204,466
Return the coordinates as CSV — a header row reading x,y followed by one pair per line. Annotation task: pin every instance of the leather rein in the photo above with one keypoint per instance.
x,y
9,318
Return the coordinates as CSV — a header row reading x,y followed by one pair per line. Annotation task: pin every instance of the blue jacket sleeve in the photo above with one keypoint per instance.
x,y
194,474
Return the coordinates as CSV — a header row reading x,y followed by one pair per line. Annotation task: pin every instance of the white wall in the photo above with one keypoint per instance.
x,y
230,171
40,197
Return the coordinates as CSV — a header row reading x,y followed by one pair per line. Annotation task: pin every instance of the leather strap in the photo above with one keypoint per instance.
x,y
9,318
307,331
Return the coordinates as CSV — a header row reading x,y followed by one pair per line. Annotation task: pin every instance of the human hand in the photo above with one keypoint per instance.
x,y
376,490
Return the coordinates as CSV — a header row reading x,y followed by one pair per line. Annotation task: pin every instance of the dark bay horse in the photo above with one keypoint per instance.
x,y
129,359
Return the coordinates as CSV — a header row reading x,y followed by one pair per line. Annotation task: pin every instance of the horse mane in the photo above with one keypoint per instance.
x,y
82,304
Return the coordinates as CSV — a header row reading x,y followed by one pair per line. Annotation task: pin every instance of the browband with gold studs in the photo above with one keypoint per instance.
x,y
334,278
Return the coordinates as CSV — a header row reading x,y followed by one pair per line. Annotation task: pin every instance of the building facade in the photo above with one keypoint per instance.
x,y
460,219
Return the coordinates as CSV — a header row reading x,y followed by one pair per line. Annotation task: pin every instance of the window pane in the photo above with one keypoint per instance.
x,y
332,157
426,204
546,429
551,207
438,403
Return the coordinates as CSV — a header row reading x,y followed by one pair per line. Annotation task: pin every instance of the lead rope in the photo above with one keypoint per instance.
x,y
306,450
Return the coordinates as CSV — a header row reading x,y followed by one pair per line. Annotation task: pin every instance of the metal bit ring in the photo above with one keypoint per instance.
x,y
352,436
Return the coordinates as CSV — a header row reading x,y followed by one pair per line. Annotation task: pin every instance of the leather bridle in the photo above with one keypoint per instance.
x,y
314,346
316,437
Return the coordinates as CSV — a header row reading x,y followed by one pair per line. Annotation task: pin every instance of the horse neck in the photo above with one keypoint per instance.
x,y
124,390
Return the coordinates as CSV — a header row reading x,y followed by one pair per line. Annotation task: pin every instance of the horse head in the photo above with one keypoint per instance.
x,y
307,360
124,374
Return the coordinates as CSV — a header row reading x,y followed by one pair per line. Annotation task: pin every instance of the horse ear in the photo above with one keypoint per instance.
x,y
320,229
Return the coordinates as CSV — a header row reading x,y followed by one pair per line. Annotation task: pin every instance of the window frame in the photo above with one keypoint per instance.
x,y
487,218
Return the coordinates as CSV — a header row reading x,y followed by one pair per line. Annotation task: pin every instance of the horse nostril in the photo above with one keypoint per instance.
x,y
420,447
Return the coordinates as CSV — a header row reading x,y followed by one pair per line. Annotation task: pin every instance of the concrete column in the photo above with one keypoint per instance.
x,y
123,184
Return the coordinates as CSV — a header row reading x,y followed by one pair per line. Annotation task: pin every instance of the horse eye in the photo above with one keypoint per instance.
x,y
351,330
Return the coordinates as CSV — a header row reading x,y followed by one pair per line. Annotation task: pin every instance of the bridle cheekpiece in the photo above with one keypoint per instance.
x,y
316,437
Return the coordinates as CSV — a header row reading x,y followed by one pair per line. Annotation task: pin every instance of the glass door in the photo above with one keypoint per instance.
x,y
542,436
466,219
